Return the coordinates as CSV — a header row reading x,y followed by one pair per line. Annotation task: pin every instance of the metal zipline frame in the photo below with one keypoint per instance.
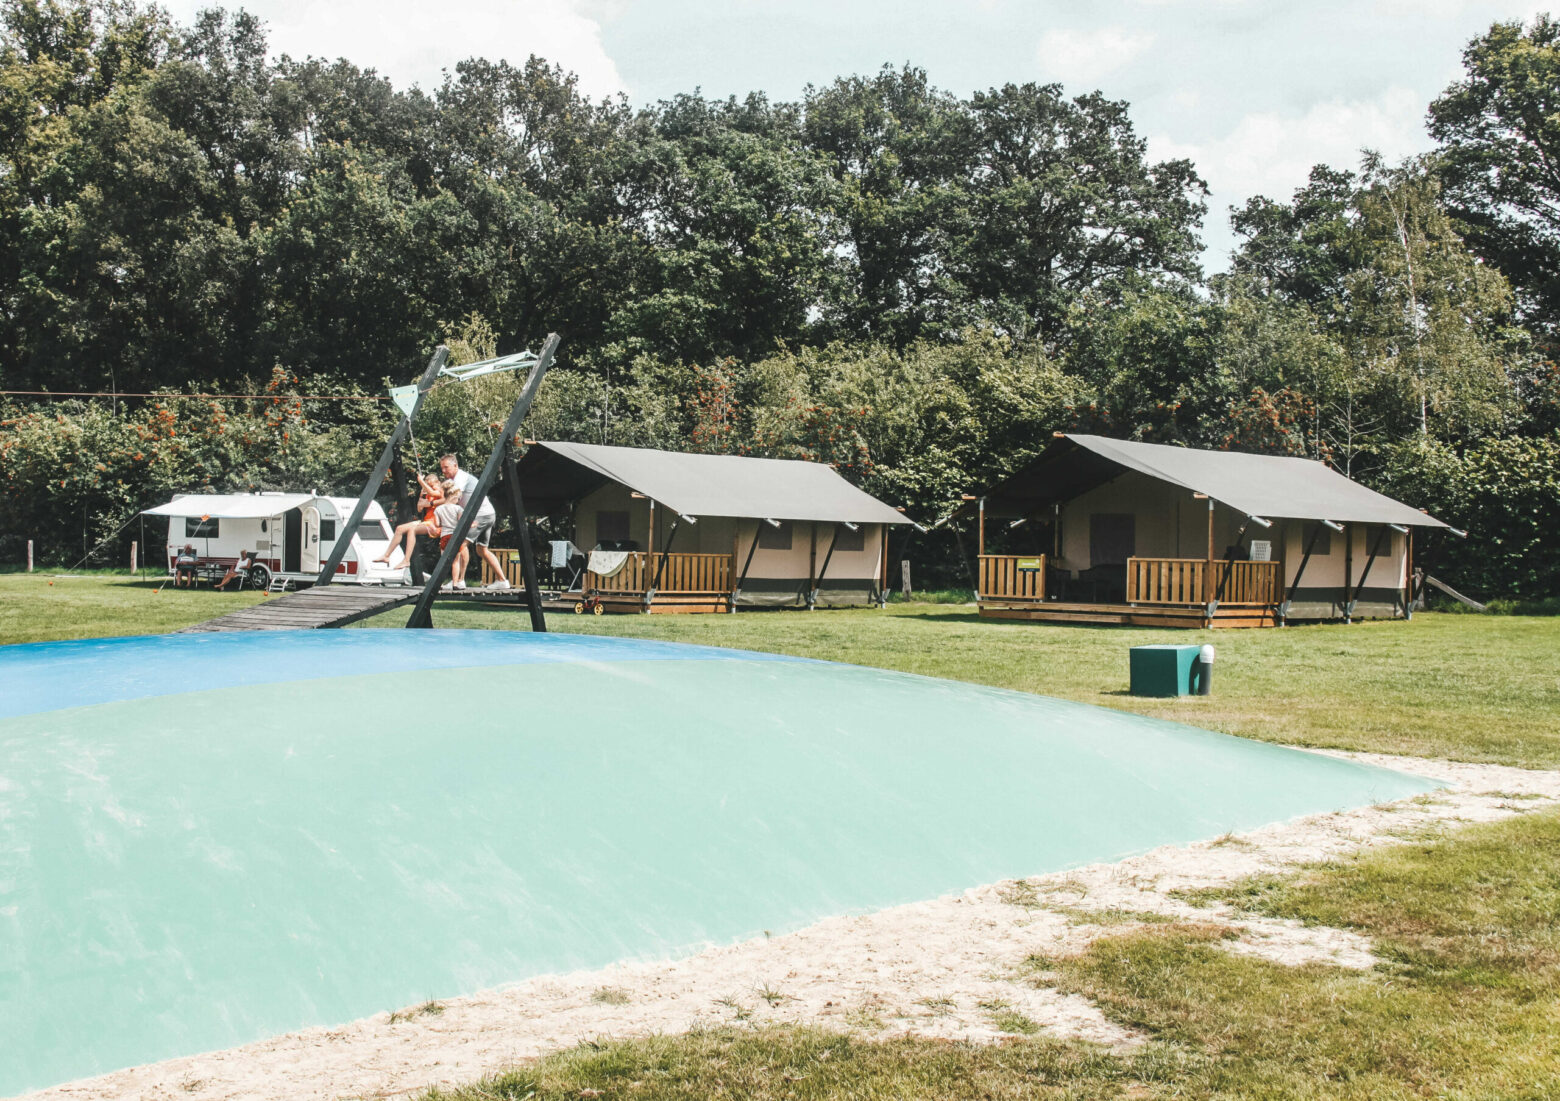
x,y
438,368
422,613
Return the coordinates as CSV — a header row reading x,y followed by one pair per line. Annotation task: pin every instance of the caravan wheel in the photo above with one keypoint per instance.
x,y
259,577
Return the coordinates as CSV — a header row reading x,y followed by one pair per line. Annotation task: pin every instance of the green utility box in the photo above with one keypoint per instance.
x,y
1163,670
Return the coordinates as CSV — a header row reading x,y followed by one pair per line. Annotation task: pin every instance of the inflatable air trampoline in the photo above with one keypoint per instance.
x,y
206,839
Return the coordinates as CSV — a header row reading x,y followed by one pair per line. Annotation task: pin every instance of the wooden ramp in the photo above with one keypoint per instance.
x,y
326,606
339,605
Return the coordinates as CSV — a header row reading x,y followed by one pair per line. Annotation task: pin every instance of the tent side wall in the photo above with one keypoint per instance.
x,y
1169,522
783,567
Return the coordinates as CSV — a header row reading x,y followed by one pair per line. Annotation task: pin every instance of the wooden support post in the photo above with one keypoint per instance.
x,y
533,589
1208,597
381,468
811,560
134,546
29,556
1348,570
904,576
736,548
980,541
882,565
422,613
1408,574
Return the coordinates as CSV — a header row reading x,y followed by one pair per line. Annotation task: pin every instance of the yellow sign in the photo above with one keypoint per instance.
x,y
1030,564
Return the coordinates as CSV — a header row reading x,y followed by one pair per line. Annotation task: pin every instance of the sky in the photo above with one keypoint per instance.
x,y
1254,93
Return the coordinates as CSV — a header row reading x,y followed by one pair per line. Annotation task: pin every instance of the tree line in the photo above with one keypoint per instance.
x,y
915,286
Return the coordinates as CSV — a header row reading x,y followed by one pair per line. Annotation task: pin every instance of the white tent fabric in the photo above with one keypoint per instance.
x,y
732,485
231,506
1269,486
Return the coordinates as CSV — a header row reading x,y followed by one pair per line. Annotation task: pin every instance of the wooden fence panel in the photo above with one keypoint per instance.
x,y
1002,579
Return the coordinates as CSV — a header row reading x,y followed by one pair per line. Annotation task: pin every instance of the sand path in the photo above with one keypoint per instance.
x,y
942,968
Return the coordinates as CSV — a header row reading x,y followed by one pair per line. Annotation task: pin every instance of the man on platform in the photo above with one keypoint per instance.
x,y
481,532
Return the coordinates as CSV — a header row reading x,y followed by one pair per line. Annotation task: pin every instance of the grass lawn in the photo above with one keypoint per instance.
x,y
1465,1005
45,606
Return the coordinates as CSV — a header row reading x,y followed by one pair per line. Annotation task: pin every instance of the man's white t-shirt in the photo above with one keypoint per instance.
x,y
466,484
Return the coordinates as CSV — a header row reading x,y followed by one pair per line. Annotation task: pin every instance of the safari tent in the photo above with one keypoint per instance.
x,y
710,533
1124,532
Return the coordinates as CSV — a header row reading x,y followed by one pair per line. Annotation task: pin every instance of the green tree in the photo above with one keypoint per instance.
x,y
1499,131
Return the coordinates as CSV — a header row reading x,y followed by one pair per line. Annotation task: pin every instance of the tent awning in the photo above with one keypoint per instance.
x,y
553,474
1270,486
230,506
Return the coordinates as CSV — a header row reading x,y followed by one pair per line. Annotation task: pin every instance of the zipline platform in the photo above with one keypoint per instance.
x,y
337,606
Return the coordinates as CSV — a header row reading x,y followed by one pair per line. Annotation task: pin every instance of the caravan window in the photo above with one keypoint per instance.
x,y
196,528
328,531
374,531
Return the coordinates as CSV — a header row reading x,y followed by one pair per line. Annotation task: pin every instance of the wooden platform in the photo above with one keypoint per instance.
x,y
1135,615
340,605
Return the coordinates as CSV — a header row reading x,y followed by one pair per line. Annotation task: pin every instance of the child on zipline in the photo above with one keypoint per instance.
x,y
434,494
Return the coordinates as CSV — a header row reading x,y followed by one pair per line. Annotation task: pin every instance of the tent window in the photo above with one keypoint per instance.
x,y
774,538
847,540
201,529
611,526
1112,538
1323,535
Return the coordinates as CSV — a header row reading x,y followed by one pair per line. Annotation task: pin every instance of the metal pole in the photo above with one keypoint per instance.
x,y
818,581
371,490
1229,564
753,546
533,591
422,613
1294,587
1375,549
671,534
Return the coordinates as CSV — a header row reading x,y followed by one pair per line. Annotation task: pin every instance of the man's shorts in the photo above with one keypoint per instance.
x,y
481,531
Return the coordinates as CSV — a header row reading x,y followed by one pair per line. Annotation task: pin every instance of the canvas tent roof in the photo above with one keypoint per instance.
x,y
231,506
553,474
1269,486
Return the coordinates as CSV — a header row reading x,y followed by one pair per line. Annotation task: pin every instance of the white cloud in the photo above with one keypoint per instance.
x,y
1271,154
412,41
1083,56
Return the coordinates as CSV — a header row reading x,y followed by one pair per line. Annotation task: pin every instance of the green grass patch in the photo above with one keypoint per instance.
x,y
47,607
1466,1004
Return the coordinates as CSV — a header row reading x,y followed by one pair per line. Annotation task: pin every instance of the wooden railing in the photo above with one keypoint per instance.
x,y
510,559
1248,582
1166,580
1012,577
683,573
1185,581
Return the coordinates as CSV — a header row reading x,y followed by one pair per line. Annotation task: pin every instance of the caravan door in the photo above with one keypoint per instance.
x,y
309,556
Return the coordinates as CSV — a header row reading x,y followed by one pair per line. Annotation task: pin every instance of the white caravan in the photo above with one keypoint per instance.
x,y
289,535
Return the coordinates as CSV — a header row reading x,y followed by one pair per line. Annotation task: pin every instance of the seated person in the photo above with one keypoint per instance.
x,y
434,494
238,569
185,567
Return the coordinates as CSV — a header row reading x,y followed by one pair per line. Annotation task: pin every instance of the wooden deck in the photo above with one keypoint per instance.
x,y
320,608
1159,592
1135,615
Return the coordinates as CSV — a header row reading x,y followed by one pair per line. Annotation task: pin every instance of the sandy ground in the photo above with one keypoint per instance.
x,y
943,968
